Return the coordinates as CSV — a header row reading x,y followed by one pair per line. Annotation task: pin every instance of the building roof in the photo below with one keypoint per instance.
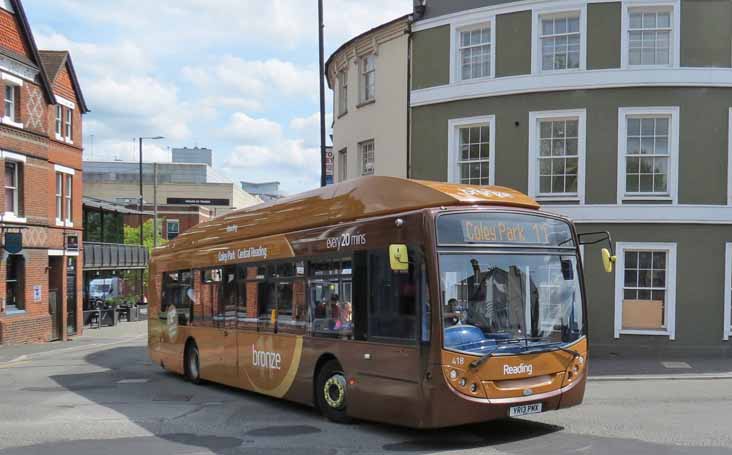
x,y
358,37
107,206
344,202
53,61
28,34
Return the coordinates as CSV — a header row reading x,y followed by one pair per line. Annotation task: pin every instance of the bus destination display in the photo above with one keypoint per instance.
x,y
505,232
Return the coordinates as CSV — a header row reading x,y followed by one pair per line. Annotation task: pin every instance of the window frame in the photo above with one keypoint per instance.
x,y
68,199
59,197
342,83
69,126
454,127
363,74
670,303
673,165
59,122
343,164
16,189
167,228
455,47
534,175
727,321
361,162
536,37
675,40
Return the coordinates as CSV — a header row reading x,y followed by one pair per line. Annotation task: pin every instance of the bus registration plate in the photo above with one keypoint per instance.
x,y
526,409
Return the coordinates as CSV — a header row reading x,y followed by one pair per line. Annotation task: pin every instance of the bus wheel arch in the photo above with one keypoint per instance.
x,y
330,389
192,361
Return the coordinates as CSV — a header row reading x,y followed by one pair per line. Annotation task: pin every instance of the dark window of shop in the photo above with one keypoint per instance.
x,y
394,297
178,296
15,284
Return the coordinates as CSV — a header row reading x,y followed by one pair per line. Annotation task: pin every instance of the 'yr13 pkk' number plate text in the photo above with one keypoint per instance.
x,y
526,409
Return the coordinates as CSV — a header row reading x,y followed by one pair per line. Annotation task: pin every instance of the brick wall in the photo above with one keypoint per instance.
x,y
37,142
25,329
10,36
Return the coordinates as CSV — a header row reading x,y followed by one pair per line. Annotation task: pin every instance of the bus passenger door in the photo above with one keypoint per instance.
x,y
386,317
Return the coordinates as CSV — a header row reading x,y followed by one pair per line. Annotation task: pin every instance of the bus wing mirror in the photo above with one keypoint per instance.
x,y
399,258
608,255
608,260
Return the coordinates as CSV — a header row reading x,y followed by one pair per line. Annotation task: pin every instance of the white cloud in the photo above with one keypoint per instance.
x,y
309,128
112,150
253,130
258,79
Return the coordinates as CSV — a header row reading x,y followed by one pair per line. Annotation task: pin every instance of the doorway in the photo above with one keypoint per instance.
x,y
55,297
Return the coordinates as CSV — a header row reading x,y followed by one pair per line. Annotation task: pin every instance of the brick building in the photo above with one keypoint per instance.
x,y
41,216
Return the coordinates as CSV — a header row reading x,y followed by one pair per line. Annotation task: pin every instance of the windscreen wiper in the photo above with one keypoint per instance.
x,y
539,349
478,362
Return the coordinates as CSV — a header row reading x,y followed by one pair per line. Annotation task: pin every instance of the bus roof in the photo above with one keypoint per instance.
x,y
348,201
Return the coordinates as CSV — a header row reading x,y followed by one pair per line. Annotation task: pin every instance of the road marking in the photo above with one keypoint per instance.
x,y
13,364
133,381
676,365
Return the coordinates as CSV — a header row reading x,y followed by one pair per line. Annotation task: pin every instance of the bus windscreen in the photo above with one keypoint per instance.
x,y
503,228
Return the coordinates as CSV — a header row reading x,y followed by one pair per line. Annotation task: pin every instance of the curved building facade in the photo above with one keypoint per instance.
x,y
369,79
618,114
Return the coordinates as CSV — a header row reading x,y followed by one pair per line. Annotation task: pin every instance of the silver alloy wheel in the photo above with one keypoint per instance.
x,y
193,364
334,391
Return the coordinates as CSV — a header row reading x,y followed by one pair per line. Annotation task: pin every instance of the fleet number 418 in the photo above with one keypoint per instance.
x,y
458,361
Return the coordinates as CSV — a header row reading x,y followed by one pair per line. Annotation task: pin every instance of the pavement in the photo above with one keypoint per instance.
x,y
100,394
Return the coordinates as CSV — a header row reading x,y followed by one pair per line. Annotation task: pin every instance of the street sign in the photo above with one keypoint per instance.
x,y
13,242
197,201
72,242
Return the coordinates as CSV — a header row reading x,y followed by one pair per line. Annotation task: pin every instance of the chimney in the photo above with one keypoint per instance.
x,y
419,8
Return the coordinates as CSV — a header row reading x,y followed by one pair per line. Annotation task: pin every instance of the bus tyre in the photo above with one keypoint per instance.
x,y
192,365
330,392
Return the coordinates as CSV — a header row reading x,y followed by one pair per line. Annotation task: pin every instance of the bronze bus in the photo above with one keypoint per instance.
x,y
415,303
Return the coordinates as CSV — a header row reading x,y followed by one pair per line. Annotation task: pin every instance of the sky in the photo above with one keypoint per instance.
x,y
237,76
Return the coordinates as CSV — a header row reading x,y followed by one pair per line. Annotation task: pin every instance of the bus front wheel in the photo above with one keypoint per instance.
x,y
192,363
331,392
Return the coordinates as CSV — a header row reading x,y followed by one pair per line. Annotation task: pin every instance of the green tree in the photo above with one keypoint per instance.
x,y
132,237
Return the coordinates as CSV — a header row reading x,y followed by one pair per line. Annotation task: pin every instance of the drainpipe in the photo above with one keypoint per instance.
x,y
409,95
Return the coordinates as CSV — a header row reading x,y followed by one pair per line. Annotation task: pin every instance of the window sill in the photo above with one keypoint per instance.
x,y
68,141
13,218
59,138
476,80
366,103
558,198
10,122
13,312
649,197
663,333
60,223
564,71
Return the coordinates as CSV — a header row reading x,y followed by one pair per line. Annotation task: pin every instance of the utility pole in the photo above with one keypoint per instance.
x,y
155,205
321,26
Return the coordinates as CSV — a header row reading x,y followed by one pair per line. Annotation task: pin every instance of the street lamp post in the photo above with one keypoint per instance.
x,y
139,215
322,93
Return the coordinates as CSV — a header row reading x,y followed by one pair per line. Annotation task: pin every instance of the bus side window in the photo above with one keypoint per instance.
x,y
226,310
176,294
249,298
393,298
210,293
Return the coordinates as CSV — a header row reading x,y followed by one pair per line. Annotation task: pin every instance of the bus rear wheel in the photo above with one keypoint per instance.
x,y
192,363
330,390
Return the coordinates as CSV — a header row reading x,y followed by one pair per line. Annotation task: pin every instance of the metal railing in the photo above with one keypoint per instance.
x,y
113,256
